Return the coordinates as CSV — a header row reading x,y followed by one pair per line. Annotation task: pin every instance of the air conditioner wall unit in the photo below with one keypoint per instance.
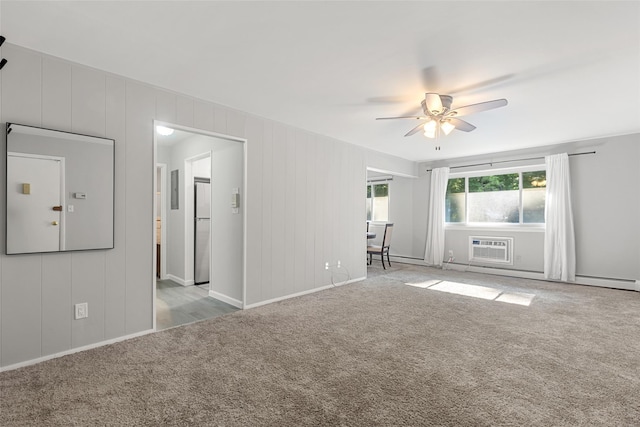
x,y
491,249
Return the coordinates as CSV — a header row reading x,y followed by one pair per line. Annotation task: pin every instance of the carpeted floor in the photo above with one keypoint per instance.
x,y
377,352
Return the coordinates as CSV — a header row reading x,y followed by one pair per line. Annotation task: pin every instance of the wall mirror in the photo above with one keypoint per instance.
x,y
59,194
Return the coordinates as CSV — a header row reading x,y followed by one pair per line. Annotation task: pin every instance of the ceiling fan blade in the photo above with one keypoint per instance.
x,y
461,124
433,103
401,117
415,129
482,106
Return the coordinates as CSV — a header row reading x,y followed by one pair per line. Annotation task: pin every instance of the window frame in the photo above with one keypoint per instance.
x,y
372,183
467,225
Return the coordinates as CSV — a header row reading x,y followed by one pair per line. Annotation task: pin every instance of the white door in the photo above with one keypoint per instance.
x,y
34,205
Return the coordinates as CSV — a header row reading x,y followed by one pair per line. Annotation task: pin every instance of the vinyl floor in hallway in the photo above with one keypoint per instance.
x,y
178,305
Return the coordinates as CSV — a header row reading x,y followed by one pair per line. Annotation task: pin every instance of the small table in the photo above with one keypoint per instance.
x,y
371,235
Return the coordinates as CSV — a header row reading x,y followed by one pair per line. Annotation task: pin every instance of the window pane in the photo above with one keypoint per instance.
x,y
494,206
381,190
454,207
454,201
537,179
533,200
381,209
378,205
494,183
494,198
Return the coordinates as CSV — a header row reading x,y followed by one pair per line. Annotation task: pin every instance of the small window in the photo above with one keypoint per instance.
x,y
378,202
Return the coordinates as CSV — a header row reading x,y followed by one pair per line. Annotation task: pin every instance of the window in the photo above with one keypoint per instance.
x,y
378,202
516,197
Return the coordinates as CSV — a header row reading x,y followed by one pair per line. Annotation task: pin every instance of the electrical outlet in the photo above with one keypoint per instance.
x,y
450,253
82,310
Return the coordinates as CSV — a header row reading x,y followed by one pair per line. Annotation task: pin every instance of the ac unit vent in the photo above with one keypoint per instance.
x,y
498,250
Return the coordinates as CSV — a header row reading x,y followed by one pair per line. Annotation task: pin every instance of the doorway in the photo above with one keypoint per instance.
x,y
202,252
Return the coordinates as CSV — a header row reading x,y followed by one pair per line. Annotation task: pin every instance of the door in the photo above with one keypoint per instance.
x,y
34,188
202,227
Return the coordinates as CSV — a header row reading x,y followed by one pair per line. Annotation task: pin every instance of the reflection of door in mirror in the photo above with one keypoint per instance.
x,y
35,210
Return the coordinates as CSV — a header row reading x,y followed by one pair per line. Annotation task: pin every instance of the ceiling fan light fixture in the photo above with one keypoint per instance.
x,y
447,127
430,129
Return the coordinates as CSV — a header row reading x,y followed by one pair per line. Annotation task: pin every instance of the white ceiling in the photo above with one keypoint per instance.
x,y
570,70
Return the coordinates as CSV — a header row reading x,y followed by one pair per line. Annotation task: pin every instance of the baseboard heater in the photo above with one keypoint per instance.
x,y
491,250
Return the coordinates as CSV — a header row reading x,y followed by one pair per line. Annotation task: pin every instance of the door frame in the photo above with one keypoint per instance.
x,y
152,225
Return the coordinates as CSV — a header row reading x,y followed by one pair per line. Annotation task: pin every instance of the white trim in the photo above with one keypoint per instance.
x,y
154,215
298,294
180,280
498,228
390,172
74,350
243,209
498,171
234,302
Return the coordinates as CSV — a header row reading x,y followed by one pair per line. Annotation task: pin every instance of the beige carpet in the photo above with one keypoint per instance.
x,y
377,352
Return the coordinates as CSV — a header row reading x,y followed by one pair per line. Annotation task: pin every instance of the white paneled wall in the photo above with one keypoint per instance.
x,y
304,207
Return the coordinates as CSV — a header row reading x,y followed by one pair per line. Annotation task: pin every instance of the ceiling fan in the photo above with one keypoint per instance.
x,y
439,116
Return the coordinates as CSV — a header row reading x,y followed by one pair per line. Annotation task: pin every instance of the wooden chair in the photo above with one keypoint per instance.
x,y
386,241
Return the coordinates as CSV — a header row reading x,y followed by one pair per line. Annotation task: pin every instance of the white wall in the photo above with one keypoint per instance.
x,y
305,206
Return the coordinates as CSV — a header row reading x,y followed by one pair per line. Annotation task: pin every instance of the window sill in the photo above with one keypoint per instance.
x,y
520,228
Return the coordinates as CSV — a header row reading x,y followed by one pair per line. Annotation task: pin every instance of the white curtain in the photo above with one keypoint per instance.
x,y
559,238
434,251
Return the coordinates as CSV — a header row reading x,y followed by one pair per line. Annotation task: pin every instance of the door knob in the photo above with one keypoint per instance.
x,y
54,223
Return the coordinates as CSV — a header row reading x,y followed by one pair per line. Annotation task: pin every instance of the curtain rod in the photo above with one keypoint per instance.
x,y
515,160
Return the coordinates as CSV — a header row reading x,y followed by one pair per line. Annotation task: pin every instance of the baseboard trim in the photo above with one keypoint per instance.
x,y
232,301
73,350
299,294
180,280
603,282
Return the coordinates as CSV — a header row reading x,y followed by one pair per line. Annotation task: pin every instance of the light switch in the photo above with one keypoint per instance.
x,y
69,208
26,188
